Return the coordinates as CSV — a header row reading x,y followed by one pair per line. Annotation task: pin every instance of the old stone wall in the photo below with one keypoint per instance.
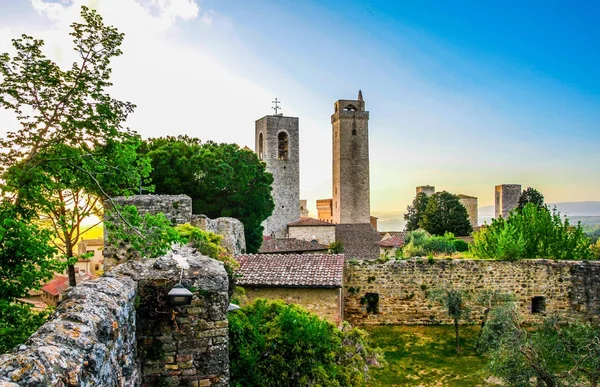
x,y
231,229
325,303
119,330
90,340
564,287
322,234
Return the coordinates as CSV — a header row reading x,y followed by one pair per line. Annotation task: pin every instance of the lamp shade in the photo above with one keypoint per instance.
x,y
179,295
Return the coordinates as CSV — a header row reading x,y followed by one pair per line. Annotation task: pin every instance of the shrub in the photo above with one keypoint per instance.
x,y
417,237
439,244
411,250
460,245
275,344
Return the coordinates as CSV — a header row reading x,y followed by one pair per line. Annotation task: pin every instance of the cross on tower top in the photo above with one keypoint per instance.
x,y
276,107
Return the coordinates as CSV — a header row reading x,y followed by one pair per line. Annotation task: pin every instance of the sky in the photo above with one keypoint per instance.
x,y
462,95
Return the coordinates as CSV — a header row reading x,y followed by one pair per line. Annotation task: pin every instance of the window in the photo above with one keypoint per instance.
x,y
350,108
538,305
372,301
282,142
260,146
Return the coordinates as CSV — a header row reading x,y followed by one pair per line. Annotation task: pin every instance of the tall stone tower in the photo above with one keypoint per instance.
x,y
507,199
426,189
277,144
350,124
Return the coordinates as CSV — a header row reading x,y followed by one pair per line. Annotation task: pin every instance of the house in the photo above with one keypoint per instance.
x,y
388,246
359,240
52,291
291,246
314,281
310,229
95,264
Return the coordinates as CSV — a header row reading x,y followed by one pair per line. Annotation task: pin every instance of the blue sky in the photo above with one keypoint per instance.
x,y
463,95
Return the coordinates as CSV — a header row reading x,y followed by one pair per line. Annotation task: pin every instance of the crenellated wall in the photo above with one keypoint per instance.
x,y
119,330
567,287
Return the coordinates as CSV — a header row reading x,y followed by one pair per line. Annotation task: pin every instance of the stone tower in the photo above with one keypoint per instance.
x,y
350,124
277,144
426,189
507,199
470,203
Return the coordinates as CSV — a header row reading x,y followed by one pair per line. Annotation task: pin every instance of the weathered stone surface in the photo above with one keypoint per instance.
x,y
232,231
89,341
568,287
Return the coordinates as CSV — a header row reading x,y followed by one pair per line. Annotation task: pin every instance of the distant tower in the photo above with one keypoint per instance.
x,y
470,203
303,209
350,124
507,199
278,146
426,189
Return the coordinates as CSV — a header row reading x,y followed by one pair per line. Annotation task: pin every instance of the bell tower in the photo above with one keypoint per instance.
x,y
277,144
350,131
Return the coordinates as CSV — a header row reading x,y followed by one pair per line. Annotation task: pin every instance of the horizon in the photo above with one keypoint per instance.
x,y
459,98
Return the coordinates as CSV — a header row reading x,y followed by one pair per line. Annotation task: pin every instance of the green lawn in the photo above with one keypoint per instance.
x,y
425,356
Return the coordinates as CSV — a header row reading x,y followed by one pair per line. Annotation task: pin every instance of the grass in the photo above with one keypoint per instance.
x,y
425,356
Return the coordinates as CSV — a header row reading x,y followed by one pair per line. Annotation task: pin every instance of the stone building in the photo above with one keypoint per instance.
x,y
426,189
325,210
507,199
303,209
350,131
310,229
312,281
291,246
470,203
277,144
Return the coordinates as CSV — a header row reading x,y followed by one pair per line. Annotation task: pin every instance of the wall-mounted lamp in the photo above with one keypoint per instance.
x,y
180,295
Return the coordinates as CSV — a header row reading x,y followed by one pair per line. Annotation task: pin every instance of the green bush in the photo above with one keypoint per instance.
x,y
460,245
275,344
438,244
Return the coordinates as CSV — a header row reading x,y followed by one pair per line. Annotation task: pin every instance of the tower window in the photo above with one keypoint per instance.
x,y
354,132
350,108
260,146
282,141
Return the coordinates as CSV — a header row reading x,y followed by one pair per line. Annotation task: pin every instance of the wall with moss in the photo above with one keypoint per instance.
x,y
565,287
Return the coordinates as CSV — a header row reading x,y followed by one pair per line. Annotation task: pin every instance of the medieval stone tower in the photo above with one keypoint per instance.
x,y
277,144
507,199
350,124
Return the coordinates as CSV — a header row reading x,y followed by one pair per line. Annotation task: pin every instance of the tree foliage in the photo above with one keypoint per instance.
x,y
275,344
454,301
414,212
552,353
71,148
445,213
530,195
221,179
532,232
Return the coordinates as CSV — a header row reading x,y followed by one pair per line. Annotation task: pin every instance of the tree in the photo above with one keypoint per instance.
x,y
454,302
532,232
530,195
221,179
444,213
552,353
26,262
71,149
415,211
275,344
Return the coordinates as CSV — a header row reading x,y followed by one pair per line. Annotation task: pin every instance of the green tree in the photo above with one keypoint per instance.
x,y
532,232
71,148
275,344
444,213
530,195
26,262
414,212
454,302
221,179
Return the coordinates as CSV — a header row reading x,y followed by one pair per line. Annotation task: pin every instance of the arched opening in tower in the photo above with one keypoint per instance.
x,y
282,141
260,146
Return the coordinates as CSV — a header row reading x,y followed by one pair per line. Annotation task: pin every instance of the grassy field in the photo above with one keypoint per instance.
x,y
425,356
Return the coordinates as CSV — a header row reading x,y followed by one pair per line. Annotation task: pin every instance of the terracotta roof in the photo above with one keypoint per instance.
x,y
288,245
60,283
401,234
309,222
359,240
394,241
291,270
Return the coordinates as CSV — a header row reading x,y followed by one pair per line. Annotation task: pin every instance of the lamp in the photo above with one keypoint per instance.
x,y
180,295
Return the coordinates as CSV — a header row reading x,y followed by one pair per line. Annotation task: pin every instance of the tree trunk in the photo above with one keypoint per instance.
x,y
70,268
486,312
458,350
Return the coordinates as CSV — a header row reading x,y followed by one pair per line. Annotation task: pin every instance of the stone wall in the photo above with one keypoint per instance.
x,y
323,234
325,303
231,229
118,330
567,287
177,208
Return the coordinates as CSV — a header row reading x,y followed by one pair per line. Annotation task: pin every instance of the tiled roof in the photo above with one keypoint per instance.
x,y
288,245
393,241
60,283
291,270
400,234
359,240
309,222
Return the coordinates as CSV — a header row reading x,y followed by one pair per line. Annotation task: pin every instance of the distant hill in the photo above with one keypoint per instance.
x,y
576,211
